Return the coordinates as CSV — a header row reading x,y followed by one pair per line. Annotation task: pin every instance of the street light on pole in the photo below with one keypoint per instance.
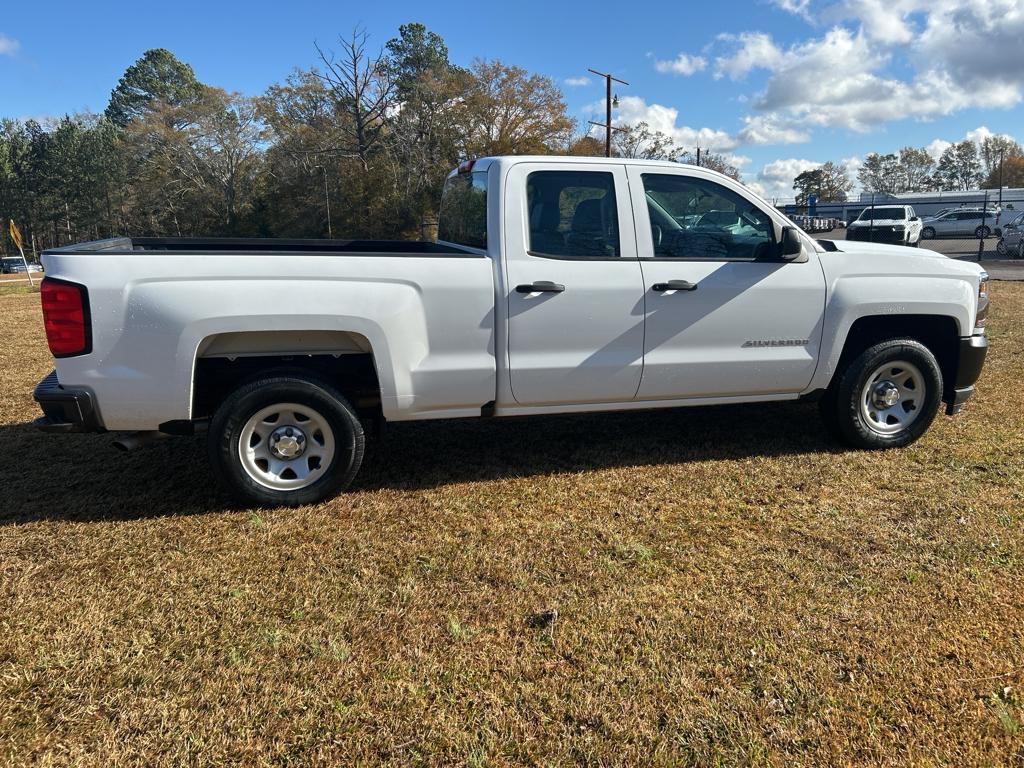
x,y
607,124
327,200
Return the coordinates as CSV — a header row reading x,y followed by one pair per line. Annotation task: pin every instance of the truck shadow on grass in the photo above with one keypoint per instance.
x,y
83,478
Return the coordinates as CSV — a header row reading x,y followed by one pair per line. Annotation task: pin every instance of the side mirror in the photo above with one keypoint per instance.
x,y
915,218
790,246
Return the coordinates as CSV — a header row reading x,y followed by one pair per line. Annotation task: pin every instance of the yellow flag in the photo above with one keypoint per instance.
x,y
15,234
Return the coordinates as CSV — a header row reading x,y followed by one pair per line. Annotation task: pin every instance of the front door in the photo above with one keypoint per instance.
x,y
725,316
573,285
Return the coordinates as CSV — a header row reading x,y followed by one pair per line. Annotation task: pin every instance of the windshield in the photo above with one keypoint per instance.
x,y
463,218
882,213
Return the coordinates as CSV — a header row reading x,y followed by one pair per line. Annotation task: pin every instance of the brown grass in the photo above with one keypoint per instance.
x,y
713,586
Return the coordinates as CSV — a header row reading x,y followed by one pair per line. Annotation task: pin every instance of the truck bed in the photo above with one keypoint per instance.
x,y
250,245
159,306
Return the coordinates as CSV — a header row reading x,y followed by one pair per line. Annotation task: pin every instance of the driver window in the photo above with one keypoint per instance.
x,y
694,218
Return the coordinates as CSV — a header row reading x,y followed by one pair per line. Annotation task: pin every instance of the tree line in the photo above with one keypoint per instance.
x,y
993,162
357,145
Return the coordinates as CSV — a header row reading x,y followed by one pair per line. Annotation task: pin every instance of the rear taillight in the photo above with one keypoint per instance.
x,y
66,317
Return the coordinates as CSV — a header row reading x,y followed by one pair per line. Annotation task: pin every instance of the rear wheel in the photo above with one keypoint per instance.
x,y
927,233
886,397
286,440
982,232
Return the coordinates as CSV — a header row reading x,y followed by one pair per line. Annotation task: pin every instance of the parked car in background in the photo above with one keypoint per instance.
x,y
1011,243
893,224
993,210
961,222
9,265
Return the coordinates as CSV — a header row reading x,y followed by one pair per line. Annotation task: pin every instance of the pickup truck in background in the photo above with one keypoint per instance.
x,y
892,224
557,285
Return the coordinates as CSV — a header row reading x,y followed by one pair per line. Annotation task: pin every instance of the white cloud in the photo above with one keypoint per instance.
x,y
683,64
8,45
799,7
887,21
853,164
937,147
756,51
765,129
633,109
577,82
776,178
979,134
958,55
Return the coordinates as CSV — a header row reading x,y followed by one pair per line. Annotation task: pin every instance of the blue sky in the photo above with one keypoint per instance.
x,y
777,85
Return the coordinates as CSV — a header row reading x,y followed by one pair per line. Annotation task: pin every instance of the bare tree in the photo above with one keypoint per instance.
x,y
640,141
364,88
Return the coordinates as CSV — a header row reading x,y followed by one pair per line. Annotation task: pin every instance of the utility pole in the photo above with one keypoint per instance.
x,y
984,226
698,157
327,199
1001,150
607,124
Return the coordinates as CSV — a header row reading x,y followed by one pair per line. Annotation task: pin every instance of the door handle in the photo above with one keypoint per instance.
x,y
541,286
674,285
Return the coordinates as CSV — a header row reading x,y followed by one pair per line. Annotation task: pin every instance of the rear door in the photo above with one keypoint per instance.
x,y
967,222
725,316
573,285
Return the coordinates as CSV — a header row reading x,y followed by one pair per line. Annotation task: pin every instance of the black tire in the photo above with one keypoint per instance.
x,y
841,407
927,233
1001,247
982,232
348,439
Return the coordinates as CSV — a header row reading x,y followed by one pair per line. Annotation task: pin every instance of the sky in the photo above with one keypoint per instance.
x,y
778,86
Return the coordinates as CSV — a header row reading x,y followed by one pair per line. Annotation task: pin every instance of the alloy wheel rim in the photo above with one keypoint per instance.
x,y
286,446
892,397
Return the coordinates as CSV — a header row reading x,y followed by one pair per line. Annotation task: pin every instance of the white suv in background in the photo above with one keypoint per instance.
x,y
893,224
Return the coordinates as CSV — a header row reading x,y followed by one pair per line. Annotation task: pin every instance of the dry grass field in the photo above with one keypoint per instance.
x,y
715,586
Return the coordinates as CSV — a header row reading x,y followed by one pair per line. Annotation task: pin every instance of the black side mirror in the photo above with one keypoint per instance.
x,y
789,248
915,218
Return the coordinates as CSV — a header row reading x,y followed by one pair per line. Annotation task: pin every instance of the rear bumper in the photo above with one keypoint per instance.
x,y
970,360
65,409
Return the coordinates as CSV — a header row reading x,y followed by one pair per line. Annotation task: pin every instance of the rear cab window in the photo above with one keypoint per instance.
x,y
573,214
463,217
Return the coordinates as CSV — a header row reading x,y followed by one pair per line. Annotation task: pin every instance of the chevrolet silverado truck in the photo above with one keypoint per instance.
x,y
556,285
892,224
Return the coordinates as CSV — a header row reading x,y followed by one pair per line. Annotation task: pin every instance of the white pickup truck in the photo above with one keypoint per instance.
x,y
557,285
892,224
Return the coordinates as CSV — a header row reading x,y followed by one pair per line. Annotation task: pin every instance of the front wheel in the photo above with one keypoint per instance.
x,y
886,397
1001,247
286,440
927,233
